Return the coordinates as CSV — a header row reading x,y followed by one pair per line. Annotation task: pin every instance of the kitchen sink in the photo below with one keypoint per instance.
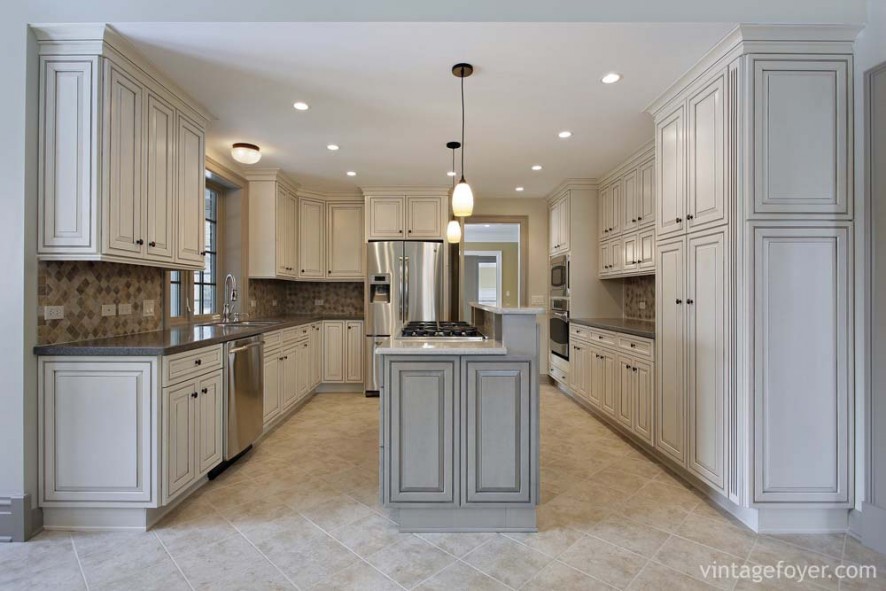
x,y
244,323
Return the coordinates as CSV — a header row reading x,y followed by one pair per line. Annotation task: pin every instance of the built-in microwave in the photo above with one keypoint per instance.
x,y
558,327
560,276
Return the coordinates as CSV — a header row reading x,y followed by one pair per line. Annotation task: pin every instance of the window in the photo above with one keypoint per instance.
x,y
193,295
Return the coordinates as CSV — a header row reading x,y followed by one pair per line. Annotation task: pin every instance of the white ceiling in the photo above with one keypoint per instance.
x,y
492,233
385,94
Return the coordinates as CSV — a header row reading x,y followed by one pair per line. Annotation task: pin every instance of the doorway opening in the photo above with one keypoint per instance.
x,y
492,261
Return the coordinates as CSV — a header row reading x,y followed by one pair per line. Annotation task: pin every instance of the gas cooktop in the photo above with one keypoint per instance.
x,y
442,330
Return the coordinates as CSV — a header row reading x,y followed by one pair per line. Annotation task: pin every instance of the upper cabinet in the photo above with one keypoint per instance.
x,y
345,248
311,230
406,217
559,224
121,173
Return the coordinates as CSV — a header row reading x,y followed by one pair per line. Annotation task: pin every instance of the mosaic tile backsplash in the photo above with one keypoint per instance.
x,y
298,298
636,290
83,286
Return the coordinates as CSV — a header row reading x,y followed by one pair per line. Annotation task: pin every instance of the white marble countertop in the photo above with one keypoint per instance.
x,y
501,310
413,346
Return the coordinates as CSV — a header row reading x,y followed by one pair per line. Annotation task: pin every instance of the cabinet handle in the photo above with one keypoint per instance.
x,y
193,394
679,220
152,244
202,253
401,231
198,362
690,301
633,220
679,301
205,390
139,241
634,368
690,216
633,345
639,217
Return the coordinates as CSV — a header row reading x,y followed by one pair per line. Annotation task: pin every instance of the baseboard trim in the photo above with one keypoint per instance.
x,y
873,527
340,388
18,520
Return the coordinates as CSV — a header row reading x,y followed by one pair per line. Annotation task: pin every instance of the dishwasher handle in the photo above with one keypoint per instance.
x,y
244,347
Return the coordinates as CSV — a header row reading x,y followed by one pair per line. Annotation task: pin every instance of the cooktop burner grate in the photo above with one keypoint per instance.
x,y
443,330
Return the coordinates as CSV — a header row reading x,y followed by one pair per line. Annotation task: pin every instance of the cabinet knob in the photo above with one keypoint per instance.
x,y
205,390
633,220
634,368
193,394
690,216
401,231
679,220
679,301
152,244
139,241
198,362
633,345
690,301
639,217
202,253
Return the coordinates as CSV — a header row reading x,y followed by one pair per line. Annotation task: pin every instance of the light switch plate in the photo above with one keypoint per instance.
x,y
148,307
641,304
124,309
109,309
53,312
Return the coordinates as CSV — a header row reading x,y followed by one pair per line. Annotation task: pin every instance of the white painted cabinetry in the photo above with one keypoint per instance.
x,y
345,247
343,342
559,224
414,215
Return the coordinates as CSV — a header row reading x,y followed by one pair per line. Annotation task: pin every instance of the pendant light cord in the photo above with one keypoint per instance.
x,y
462,124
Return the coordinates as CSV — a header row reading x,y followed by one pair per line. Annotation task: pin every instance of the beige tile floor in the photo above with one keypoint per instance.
x,y
302,512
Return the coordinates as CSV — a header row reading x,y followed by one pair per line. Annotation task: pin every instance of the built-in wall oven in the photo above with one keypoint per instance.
x,y
558,330
560,276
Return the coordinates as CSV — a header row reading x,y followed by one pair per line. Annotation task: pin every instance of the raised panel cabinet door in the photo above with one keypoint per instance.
x,y
616,208
333,351
670,182
422,431
646,197
160,178
286,223
611,381
802,364
617,248
630,205
643,400
624,411
706,143
670,416
496,416
563,219
68,144
289,381
576,370
646,249
387,217
179,438
604,209
122,159
271,380
97,425
605,263
554,228
210,422
303,368
630,252
802,141
345,258
354,351
425,218
590,376
191,187
311,247
706,377
316,347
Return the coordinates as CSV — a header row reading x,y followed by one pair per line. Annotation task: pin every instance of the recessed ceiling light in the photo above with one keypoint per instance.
x,y
301,106
519,189
565,134
536,167
332,147
451,173
487,225
351,173
611,78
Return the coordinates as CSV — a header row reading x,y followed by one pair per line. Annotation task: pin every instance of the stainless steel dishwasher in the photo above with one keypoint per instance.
x,y
245,404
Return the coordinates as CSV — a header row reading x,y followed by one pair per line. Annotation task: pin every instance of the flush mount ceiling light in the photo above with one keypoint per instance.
x,y
518,189
536,167
564,134
453,232
451,173
611,78
245,153
462,195
332,147
301,106
351,173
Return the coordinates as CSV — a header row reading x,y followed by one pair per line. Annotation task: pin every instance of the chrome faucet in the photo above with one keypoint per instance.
x,y
229,301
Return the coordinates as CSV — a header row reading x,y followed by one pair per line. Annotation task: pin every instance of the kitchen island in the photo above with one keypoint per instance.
x,y
459,433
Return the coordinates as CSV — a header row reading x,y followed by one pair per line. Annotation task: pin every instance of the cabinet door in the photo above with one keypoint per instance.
x,y
289,377
670,181
577,370
210,422
160,178
345,258
626,392
122,157
646,198
670,433
803,364
286,223
497,416
303,369
563,220
643,400
333,351
630,252
191,186
604,210
425,218
630,202
422,456
311,226
646,249
316,347
618,256
605,265
706,380
554,228
179,438
591,357
616,208
706,143
354,352
611,381
387,217
271,397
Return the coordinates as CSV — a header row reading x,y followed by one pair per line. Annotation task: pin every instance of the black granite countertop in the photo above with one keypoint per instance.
x,y
179,339
640,328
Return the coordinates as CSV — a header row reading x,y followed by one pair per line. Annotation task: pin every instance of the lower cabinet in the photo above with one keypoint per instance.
x,y
271,398
192,431
343,342
288,374
315,346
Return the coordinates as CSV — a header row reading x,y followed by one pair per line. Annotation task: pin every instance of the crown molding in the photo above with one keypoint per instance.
x,y
572,184
406,190
644,153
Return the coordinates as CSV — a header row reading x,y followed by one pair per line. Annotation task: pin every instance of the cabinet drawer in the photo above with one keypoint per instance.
x,y
579,332
559,375
603,338
180,367
296,333
635,346
273,340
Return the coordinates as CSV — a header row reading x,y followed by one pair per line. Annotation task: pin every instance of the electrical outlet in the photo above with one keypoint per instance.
x,y
641,304
274,303
318,302
124,309
148,307
537,301
53,312
252,303
109,309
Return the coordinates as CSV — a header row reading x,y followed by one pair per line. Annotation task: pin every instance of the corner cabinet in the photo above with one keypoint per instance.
x,y
121,157
404,216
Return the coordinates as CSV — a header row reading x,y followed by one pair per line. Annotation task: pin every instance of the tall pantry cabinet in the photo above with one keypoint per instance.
x,y
754,268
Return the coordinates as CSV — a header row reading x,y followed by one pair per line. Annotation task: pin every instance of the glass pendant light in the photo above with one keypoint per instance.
x,y
462,195
453,232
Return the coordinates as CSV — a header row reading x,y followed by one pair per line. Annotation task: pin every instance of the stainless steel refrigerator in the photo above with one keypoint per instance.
x,y
404,283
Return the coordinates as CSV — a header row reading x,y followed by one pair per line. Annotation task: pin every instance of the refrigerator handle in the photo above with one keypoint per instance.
x,y
400,291
405,289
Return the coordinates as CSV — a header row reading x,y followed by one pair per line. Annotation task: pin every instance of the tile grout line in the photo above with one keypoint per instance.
x,y
174,561
79,564
257,549
462,560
